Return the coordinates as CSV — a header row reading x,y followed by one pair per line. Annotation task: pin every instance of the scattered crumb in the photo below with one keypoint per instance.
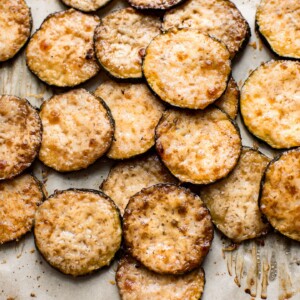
x,y
11,298
32,251
32,295
260,45
230,248
255,145
112,282
253,45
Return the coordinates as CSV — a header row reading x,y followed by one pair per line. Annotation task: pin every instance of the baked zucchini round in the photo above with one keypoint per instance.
x,y
77,130
154,4
167,228
129,177
136,112
78,231
135,282
19,200
187,68
15,24
219,18
280,194
278,23
61,52
270,103
233,201
86,5
20,135
121,40
199,147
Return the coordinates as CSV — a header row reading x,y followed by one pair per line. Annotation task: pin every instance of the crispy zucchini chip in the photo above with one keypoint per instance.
x,y
86,5
77,130
278,22
167,228
136,112
187,68
233,201
280,194
135,282
154,4
78,231
19,200
121,40
270,103
199,147
61,52
15,24
129,177
219,18
20,135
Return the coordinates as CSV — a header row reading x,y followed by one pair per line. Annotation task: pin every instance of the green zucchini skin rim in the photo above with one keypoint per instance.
x,y
124,255
102,194
40,137
262,183
232,121
260,140
87,11
128,247
110,119
167,104
65,87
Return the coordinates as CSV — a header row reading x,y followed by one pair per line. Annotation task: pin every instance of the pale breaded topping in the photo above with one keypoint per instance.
x,y
153,4
77,130
219,18
19,200
280,196
199,147
187,68
15,24
86,5
270,103
136,112
167,228
61,52
233,201
135,282
121,40
20,135
78,231
129,177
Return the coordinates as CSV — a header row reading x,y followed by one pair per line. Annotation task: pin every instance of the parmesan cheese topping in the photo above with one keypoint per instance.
x,y
86,5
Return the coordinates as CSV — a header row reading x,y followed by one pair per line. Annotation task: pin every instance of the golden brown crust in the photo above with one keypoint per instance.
x,y
187,68
86,5
219,18
136,112
233,201
167,228
199,147
121,39
19,200
15,24
20,135
61,52
153,4
77,130
270,103
129,177
135,282
280,194
78,231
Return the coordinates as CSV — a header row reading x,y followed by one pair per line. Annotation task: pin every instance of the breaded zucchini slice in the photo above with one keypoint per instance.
x,y
61,52
129,177
78,231
121,40
77,130
154,4
280,194
187,68
167,228
86,5
233,201
136,112
219,18
19,200
20,135
229,101
270,103
135,282
278,23
15,24
199,147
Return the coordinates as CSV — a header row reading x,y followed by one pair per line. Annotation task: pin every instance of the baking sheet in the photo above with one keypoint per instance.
x,y
268,268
